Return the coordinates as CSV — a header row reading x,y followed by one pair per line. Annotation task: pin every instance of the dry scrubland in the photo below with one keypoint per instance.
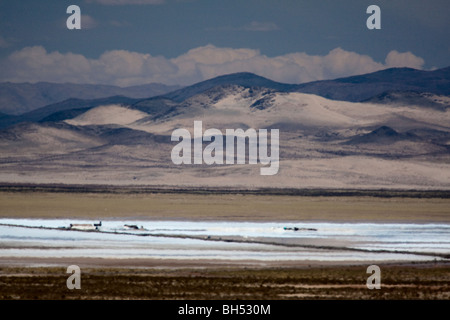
x,y
398,282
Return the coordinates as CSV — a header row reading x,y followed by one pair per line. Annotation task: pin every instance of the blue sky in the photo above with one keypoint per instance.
x,y
128,42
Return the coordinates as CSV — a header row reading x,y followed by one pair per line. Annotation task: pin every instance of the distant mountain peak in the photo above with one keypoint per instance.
x,y
385,131
384,135
243,79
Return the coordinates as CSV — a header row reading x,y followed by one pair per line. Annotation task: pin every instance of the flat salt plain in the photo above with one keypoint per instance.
x,y
258,242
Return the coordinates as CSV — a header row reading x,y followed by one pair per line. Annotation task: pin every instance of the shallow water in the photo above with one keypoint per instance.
x,y
359,242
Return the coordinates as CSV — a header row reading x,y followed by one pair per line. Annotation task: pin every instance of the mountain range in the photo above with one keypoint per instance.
x,y
19,98
388,129
366,87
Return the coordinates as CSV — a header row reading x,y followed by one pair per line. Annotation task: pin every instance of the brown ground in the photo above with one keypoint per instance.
x,y
222,207
425,281
159,279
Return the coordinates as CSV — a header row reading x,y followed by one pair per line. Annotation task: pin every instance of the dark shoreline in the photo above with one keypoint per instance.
x,y
136,189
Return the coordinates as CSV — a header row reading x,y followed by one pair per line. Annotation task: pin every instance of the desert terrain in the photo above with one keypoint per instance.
x,y
45,278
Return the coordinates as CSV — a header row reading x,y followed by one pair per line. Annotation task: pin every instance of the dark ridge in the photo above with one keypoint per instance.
x,y
20,98
128,137
64,115
378,193
243,79
366,86
70,104
422,99
383,134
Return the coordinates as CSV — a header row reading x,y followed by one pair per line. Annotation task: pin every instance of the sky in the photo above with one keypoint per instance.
x,y
132,42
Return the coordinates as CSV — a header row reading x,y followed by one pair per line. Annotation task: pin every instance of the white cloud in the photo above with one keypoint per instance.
x,y
125,2
406,59
124,68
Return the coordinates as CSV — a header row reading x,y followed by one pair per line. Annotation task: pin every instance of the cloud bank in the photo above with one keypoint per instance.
x,y
126,68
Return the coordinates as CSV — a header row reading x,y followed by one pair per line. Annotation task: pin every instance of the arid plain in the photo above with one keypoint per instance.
x,y
209,279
